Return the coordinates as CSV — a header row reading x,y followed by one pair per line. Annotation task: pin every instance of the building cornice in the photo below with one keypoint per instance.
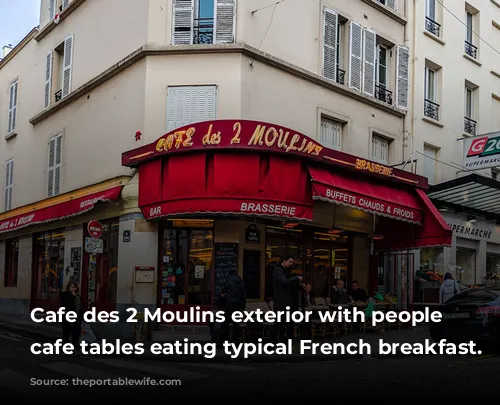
x,y
242,49
18,47
63,15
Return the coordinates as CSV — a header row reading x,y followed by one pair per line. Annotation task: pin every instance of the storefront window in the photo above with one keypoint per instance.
x,y
187,262
492,266
431,259
466,266
11,262
49,267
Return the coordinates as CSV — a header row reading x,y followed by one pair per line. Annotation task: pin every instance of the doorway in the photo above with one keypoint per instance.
x,y
396,275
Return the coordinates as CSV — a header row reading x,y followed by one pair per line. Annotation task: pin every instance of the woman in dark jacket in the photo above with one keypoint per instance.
x,y
70,301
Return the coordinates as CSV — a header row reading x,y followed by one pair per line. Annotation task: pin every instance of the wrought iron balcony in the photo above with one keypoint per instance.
x,y
470,50
432,26
203,31
340,76
382,94
470,126
431,109
58,95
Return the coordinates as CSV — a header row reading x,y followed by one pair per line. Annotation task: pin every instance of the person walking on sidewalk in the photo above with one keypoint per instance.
x,y
235,299
285,295
448,289
70,301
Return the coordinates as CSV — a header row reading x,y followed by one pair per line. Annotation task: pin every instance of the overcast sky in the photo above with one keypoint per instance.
x,y
17,18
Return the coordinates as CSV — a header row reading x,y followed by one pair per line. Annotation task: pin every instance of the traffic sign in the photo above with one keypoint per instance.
x,y
95,229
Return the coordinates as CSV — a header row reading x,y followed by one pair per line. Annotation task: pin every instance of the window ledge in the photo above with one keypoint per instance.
x,y
434,37
495,73
496,3
475,61
467,135
11,135
387,11
433,122
65,14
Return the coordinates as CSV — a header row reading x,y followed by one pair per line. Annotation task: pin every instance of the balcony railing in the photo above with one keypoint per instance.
x,y
382,94
58,95
431,109
470,49
432,26
470,126
203,31
340,76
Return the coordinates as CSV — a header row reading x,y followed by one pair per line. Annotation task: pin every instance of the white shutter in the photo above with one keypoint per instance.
x,y
9,183
65,4
190,104
355,51
12,107
369,60
430,164
183,14
54,166
402,60
48,79
67,65
380,149
224,21
392,4
330,45
331,133
52,9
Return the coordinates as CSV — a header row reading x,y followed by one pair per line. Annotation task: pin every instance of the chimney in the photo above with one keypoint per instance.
x,y
6,49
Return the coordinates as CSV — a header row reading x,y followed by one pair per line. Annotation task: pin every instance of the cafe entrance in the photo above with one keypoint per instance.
x,y
186,265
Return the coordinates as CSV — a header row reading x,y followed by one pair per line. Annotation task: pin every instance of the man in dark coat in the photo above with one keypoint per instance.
x,y
285,295
235,299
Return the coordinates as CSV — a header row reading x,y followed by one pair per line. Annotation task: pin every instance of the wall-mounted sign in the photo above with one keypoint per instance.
x,y
261,136
144,274
94,246
478,230
126,236
252,234
482,152
94,228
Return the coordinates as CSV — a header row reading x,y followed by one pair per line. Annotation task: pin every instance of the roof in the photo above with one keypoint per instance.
x,y
474,194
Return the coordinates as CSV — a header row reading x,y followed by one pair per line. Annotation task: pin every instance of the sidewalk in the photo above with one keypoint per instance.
x,y
45,332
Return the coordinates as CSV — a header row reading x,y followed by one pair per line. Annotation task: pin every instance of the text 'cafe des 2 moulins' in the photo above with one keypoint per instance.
x,y
235,194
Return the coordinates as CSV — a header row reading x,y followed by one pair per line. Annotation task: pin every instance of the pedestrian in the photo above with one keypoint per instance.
x,y
235,299
448,289
285,295
70,300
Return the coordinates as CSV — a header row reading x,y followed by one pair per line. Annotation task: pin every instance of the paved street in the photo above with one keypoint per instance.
x,y
408,376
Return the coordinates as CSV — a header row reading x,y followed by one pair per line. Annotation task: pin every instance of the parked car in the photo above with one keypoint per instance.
x,y
471,315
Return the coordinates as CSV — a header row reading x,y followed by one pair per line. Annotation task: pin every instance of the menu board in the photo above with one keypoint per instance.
x,y
251,273
226,259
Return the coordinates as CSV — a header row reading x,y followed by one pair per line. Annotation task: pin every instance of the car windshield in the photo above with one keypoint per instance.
x,y
475,296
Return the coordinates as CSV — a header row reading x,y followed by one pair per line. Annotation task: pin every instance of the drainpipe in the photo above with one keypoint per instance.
x,y
413,68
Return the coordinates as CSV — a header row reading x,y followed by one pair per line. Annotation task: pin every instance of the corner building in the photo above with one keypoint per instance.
x,y
136,133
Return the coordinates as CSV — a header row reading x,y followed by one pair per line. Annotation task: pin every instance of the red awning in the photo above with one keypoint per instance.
x,y
369,196
400,236
225,183
63,210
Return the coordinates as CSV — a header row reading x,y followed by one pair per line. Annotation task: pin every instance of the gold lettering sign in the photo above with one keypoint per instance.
x,y
371,167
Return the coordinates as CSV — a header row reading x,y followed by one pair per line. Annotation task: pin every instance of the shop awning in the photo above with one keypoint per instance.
x,y
63,206
478,195
248,184
366,195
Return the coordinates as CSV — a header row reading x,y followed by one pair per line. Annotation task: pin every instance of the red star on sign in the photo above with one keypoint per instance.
x,y
138,135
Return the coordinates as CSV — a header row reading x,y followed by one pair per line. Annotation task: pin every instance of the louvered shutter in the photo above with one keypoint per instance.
x,y
67,65
330,45
355,55
57,169
331,133
403,58
392,4
369,61
65,4
52,9
9,182
225,21
12,107
54,166
189,104
48,79
183,22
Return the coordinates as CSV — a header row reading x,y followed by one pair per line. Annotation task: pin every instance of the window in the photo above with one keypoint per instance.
x,y
382,75
190,104
11,262
11,128
203,21
54,166
469,48
430,164
469,110
431,107
380,149
331,133
9,184
431,24
494,173
57,6
333,47
389,3
58,72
